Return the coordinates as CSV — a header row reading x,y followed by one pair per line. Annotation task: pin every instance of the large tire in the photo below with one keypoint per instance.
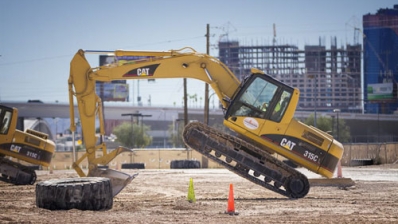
x,y
361,162
184,164
133,166
86,193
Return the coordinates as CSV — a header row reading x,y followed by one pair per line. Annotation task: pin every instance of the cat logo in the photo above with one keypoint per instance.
x,y
15,148
148,70
287,144
142,71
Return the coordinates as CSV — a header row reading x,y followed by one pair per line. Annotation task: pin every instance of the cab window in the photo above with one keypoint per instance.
x,y
262,98
255,100
5,122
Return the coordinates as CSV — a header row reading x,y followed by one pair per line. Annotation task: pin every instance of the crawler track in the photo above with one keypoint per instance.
x,y
15,173
246,160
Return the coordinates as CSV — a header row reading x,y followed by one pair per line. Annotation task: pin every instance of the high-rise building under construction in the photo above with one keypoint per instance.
x,y
328,79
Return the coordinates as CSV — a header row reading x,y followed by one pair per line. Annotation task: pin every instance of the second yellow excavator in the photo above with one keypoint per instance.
x,y
30,146
259,109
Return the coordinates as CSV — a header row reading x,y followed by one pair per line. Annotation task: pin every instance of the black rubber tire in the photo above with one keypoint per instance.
x,y
85,193
184,164
133,166
361,162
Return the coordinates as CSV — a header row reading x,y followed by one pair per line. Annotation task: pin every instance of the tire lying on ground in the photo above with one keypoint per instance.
x,y
85,193
184,164
361,162
133,166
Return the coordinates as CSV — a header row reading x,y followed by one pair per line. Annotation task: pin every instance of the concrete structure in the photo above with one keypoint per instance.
x,y
327,78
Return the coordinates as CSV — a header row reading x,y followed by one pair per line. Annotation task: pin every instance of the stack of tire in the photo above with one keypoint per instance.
x,y
133,166
184,164
361,162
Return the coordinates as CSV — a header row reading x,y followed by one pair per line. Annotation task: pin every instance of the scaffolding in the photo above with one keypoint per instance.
x,y
327,78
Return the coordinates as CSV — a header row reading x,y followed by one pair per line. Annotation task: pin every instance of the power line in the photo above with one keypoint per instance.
x,y
35,60
69,55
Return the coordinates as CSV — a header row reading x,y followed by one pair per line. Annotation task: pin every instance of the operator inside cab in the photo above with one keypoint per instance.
x,y
263,99
281,106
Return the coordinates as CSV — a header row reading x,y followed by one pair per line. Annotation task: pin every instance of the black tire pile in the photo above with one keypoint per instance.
x,y
133,166
361,162
184,164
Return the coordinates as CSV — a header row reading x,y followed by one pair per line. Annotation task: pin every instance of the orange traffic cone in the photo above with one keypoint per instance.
x,y
231,202
339,170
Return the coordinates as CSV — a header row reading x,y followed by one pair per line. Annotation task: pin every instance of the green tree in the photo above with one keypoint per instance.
x,y
175,131
326,124
133,136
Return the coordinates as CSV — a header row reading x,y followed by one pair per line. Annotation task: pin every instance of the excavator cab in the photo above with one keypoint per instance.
x,y
262,113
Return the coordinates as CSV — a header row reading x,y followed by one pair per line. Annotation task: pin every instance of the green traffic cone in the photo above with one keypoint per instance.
x,y
191,193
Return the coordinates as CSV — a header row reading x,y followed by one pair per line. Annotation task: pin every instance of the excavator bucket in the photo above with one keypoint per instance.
x,y
118,179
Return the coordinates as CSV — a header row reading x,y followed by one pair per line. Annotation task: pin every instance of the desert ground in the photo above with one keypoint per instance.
x,y
160,196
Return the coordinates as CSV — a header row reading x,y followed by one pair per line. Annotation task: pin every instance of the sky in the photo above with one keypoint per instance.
x,y
39,38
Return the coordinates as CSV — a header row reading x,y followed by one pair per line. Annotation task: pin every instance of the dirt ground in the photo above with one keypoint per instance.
x,y
160,196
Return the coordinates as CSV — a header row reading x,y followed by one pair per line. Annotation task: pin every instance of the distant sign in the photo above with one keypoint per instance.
x,y
113,91
117,90
382,91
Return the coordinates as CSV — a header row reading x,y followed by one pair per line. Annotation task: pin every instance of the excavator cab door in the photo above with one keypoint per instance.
x,y
261,100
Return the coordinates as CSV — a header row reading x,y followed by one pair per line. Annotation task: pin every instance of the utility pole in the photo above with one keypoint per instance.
x,y
205,161
185,103
206,118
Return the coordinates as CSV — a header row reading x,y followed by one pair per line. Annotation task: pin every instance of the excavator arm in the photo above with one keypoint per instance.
x,y
185,63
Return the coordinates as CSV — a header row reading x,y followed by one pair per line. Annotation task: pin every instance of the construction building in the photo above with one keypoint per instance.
x,y
380,42
328,79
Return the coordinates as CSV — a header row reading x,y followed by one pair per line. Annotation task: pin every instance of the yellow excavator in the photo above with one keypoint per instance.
x,y
259,109
32,147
